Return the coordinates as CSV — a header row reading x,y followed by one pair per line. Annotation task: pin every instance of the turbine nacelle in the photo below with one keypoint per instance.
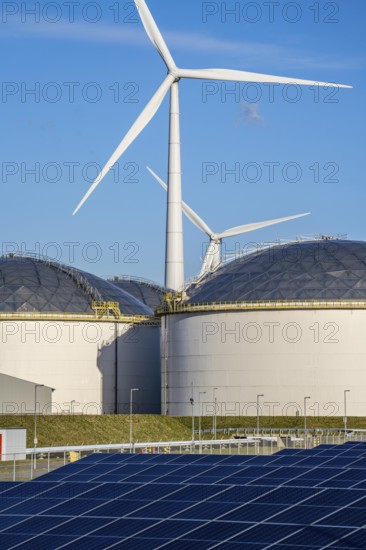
x,y
175,74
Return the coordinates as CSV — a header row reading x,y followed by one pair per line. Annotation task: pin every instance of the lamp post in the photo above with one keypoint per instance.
x,y
214,414
258,396
305,429
345,412
199,413
192,403
131,410
35,423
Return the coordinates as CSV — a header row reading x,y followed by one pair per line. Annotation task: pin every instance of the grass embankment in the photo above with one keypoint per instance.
x,y
91,430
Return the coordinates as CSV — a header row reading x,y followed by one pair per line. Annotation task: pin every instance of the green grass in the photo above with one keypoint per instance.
x,y
90,430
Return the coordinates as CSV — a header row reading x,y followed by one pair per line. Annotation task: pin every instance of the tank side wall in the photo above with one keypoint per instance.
x,y
139,367
285,355
78,360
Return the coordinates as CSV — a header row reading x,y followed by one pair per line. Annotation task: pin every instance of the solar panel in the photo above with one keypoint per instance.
x,y
79,526
347,517
7,485
113,509
288,495
8,521
8,541
35,525
159,510
207,510
317,535
303,514
253,512
151,528
294,499
266,533
360,485
350,541
213,531
240,494
335,497
195,493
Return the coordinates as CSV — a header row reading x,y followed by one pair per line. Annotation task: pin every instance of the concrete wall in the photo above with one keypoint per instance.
x,y
78,359
286,355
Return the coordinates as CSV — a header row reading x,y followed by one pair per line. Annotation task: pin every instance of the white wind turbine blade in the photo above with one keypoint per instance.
x,y
191,214
137,127
209,258
154,34
244,76
254,226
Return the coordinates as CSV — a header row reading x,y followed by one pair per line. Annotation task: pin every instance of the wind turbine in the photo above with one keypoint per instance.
x,y
212,258
174,262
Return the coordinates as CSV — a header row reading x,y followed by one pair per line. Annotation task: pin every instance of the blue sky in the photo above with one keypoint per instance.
x,y
249,153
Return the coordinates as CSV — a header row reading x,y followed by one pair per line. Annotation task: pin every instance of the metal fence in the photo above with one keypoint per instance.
x,y
29,465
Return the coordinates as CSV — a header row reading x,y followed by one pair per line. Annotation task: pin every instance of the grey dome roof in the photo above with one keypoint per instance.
x,y
315,270
147,292
32,284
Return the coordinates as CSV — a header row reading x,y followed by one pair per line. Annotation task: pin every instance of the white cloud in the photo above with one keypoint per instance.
x,y
249,113
250,53
83,32
252,112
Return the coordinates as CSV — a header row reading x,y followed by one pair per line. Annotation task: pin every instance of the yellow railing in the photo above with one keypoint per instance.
x,y
106,309
77,317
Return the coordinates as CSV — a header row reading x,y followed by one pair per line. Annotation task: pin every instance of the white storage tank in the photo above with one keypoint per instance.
x,y
288,322
79,334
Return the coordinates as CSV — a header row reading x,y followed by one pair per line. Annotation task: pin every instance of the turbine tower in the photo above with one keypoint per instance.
x,y
174,263
212,258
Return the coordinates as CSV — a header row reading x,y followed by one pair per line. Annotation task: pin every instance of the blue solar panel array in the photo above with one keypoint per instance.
x,y
294,499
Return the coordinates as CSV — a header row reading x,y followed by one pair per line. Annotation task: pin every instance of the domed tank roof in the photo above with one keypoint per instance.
x,y
148,292
312,270
32,284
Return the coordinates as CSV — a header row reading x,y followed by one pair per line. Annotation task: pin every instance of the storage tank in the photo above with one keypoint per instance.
x,y
288,322
79,334
148,292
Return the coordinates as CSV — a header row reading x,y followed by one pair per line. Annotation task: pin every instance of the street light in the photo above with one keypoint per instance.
x,y
345,411
131,395
214,414
305,429
258,396
35,423
192,403
199,413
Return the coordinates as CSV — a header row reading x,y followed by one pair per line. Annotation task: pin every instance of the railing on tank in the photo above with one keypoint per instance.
x,y
175,305
87,317
130,279
106,309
